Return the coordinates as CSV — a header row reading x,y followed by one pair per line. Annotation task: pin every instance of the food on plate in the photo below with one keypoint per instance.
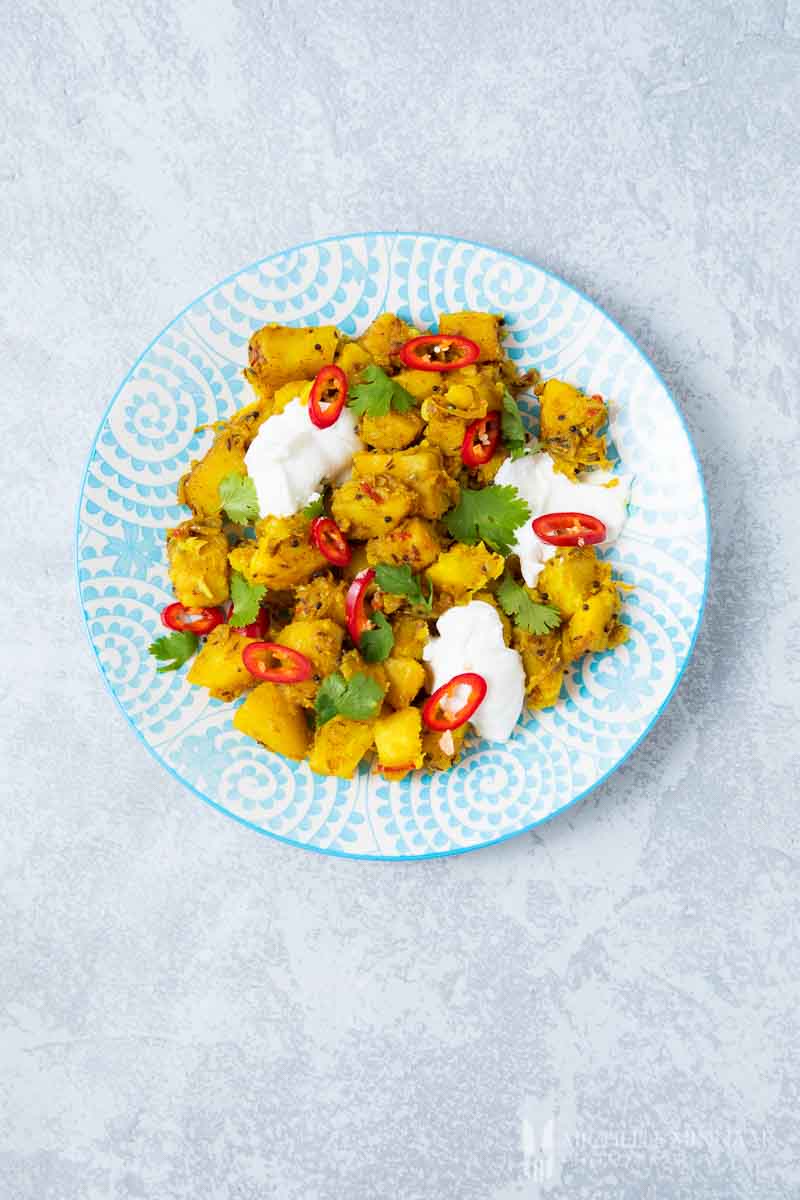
x,y
381,555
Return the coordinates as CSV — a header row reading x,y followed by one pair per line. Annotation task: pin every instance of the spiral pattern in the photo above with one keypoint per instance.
x,y
191,376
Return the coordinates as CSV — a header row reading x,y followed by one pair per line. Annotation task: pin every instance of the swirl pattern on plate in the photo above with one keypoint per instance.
x,y
191,376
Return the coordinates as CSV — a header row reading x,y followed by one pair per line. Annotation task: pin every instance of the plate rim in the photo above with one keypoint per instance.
x,y
430,854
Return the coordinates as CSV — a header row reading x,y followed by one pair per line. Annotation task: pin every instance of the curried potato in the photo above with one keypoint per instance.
x,y
406,677
395,431
272,718
297,388
441,750
322,597
398,741
420,468
420,384
321,643
282,556
384,338
463,569
198,562
570,577
540,653
353,664
483,328
594,627
545,693
199,488
339,747
446,432
219,665
410,636
367,508
280,353
414,543
569,424
352,358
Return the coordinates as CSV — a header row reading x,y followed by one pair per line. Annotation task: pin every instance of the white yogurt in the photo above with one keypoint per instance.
x,y
290,458
546,491
471,639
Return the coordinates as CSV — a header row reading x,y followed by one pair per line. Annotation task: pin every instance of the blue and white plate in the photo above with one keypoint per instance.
x,y
191,375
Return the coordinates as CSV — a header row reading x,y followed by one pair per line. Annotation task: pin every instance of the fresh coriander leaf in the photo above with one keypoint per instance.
x,y
239,499
512,426
530,616
491,514
358,698
376,394
376,644
314,508
174,649
401,581
246,599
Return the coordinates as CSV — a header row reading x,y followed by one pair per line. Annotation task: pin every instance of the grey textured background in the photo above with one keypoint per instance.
x,y
606,1009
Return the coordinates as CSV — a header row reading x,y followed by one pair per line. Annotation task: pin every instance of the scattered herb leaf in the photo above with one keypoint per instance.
x,y
491,514
174,649
376,394
239,499
528,615
401,581
512,426
246,599
358,698
376,644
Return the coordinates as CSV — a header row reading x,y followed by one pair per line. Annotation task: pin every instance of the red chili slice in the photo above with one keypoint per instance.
x,y
259,658
329,389
330,541
413,354
480,440
569,529
355,605
192,620
437,713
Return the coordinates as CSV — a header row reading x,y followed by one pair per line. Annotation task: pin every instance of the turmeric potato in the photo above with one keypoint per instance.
x,y
339,745
219,666
570,577
463,569
398,741
410,636
568,423
413,543
441,750
594,627
420,468
459,402
198,563
353,664
482,328
406,676
540,653
352,358
384,338
264,391
199,488
280,353
321,643
444,431
272,718
545,693
282,555
420,384
366,508
395,431
323,596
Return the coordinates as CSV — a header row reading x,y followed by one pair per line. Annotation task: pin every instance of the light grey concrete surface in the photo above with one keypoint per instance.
x,y
606,1009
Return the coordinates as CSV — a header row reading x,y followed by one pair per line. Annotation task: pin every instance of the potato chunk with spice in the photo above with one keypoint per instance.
x,y
385,337
482,328
398,741
198,562
271,717
321,643
339,745
420,468
394,431
280,353
219,666
365,508
282,556
463,569
414,543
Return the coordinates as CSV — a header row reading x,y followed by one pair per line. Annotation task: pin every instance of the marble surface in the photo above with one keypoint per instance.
x,y
606,1009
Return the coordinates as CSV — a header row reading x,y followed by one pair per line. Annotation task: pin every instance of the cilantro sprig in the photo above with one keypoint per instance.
x,y
174,649
246,599
376,394
491,514
358,698
237,494
401,581
527,614
376,643
512,426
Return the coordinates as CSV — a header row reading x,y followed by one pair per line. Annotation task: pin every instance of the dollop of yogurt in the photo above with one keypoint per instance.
x,y
289,458
471,639
546,491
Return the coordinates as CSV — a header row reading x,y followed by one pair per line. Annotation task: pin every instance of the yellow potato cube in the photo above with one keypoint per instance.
x,y
272,718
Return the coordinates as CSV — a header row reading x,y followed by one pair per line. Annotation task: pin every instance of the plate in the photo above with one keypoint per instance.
x,y
190,375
